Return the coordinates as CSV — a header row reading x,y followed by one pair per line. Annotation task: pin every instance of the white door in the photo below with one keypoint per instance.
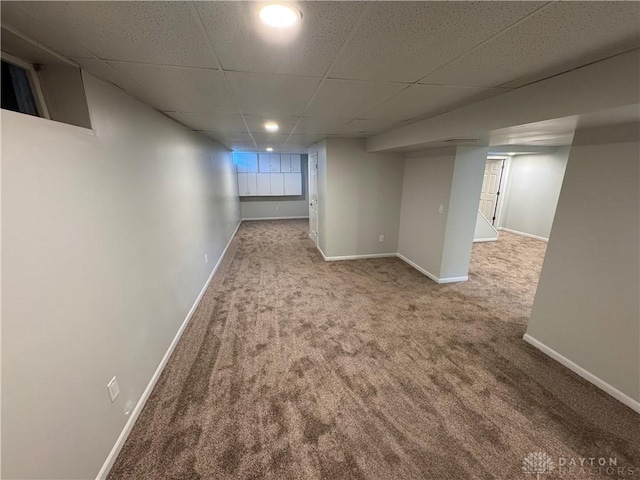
x,y
252,184
295,163
292,183
243,189
264,183
490,189
251,161
285,163
274,162
277,184
264,162
313,197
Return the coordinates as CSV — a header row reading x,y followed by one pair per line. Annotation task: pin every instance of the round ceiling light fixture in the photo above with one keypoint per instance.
x,y
279,15
271,127
269,149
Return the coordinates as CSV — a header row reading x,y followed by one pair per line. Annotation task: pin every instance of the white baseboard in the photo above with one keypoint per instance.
x,y
111,458
271,218
418,267
429,274
590,377
453,279
480,240
523,234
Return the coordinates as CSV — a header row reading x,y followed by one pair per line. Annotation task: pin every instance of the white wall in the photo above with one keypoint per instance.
x,y
363,196
439,243
427,185
586,307
103,244
466,185
532,189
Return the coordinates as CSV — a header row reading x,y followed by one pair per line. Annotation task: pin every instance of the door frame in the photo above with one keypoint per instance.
x,y
315,188
502,187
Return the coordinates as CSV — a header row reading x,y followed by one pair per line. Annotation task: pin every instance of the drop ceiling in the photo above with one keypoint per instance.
x,y
350,69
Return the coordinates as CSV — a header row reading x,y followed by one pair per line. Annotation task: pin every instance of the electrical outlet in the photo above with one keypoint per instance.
x,y
206,258
114,389
277,208
381,238
441,209
128,407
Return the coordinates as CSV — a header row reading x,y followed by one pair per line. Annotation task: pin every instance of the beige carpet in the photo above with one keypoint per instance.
x,y
293,368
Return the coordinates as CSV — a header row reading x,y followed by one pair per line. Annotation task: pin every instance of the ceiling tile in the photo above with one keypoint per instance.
x,y
300,142
367,127
403,41
256,123
347,98
105,71
270,139
272,95
218,122
165,33
179,88
324,126
561,37
422,101
243,43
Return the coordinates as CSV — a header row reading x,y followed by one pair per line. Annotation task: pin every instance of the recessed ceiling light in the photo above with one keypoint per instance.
x,y
269,149
271,126
279,15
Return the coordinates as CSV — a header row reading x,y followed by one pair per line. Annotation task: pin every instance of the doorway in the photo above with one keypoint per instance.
x,y
313,197
490,193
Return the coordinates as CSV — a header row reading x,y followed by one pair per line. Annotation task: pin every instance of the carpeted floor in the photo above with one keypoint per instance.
x,y
294,368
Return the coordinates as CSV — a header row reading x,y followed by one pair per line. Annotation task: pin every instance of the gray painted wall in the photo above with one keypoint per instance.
x,y
441,243
103,243
363,197
427,185
587,304
466,185
532,189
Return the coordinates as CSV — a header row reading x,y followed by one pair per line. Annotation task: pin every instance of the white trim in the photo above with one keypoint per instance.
x,y
523,234
453,279
34,81
590,377
271,218
418,267
480,240
429,274
111,458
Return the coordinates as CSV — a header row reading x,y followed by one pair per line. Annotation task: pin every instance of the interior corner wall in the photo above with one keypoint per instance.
x,y
462,212
532,189
104,234
586,307
363,197
426,186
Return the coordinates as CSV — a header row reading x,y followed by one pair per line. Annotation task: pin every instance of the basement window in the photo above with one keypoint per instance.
x,y
20,88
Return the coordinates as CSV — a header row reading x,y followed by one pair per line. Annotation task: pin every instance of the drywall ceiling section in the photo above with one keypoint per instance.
x,y
605,85
349,68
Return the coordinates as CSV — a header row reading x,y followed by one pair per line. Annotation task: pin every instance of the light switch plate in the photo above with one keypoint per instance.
x,y
114,389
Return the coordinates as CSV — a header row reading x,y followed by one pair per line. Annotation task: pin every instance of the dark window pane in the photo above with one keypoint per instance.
x,y
16,90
